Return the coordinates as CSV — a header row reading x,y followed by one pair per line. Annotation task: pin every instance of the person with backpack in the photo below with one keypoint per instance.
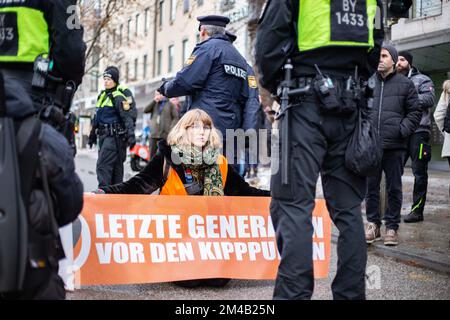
x,y
442,118
114,125
52,196
42,60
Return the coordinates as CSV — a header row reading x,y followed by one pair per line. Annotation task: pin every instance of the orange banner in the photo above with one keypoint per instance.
x,y
129,239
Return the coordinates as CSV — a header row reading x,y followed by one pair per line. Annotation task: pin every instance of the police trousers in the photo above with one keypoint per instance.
x,y
318,144
111,156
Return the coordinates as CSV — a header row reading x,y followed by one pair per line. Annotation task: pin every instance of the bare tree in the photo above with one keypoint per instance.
x,y
99,21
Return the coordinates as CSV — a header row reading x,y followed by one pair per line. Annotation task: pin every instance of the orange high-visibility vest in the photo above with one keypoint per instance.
x,y
174,186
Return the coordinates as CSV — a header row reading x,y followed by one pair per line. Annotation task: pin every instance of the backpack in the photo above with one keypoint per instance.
x,y
447,120
19,167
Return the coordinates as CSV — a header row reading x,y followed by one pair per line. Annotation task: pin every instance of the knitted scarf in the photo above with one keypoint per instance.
x,y
203,166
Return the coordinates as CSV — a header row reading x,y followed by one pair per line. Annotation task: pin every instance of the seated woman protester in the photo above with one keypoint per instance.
x,y
189,163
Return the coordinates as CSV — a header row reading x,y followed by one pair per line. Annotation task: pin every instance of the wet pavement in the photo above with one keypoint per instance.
x,y
418,268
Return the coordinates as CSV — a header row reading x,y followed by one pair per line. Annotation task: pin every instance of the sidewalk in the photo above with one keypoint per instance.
x,y
423,244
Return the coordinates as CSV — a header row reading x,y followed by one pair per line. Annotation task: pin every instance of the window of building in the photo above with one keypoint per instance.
x,y
95,70
146,20
120,34
185,51
173,9
186,6
136,30
161,13
128,30
170,61
159,61
136,61
127,71
199,2
114,36
144,67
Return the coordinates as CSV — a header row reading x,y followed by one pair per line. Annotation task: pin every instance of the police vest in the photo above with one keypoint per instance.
x,y
104,100
174,186
23,31
323,23
106,111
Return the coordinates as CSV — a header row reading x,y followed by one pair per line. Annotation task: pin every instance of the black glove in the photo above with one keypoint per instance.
x,y
161,89
92,138
131,141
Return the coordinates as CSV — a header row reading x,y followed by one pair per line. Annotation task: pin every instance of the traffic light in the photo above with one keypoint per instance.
x,y
399,8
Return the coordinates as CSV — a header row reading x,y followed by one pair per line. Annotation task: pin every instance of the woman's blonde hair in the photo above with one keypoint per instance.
x,y
179,136
445,90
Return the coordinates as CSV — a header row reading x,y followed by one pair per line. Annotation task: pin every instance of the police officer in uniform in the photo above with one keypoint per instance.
x,y
337,36
114,125
31,28
252,108
215,77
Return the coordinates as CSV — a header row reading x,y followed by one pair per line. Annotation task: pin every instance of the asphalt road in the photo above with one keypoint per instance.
x,y
396,280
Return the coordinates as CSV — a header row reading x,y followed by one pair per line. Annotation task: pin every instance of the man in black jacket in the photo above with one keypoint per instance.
x,y
397,115
419,148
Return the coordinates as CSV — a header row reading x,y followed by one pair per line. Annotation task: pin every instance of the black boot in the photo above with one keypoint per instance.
x,y
413,217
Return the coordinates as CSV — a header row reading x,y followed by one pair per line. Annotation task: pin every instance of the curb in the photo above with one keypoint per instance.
x,y
410,258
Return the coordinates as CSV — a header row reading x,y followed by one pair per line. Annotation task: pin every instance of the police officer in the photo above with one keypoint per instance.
x,y
337,36
251,108
419,148
45,26
215,77
29,29
114,125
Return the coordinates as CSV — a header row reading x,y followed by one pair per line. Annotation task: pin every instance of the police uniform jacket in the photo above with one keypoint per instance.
x,y
114,108
215,76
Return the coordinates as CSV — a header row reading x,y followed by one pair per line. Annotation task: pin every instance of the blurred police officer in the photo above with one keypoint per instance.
x,y
252,108
114,125
419,148
32,30
215,77
338,36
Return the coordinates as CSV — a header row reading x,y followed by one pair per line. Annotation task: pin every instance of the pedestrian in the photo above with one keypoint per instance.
x,y
397,114
189,163
51,190
164,117
440,115
310,34
419,148
215,79
114,125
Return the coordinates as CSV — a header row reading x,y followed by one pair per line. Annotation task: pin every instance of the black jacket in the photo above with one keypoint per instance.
x,y
276,40
67,45
151,178
425,90
64,183
397,110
